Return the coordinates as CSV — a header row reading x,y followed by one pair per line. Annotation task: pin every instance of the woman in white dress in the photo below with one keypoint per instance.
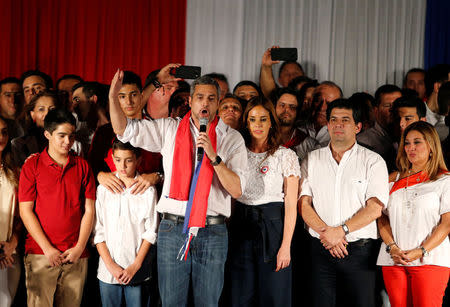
x,y
9,221
415,253
263,221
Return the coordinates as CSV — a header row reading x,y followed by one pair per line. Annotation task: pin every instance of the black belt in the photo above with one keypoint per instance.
x,y
361,242
178,219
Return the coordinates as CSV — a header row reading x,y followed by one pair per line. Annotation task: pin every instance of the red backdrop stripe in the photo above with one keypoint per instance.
x,y
91,38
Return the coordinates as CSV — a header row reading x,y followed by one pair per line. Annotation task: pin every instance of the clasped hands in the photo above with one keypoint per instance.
x,y
56,257
333,239
405,257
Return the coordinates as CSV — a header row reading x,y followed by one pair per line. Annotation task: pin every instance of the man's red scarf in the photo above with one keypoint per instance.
x,y
180,184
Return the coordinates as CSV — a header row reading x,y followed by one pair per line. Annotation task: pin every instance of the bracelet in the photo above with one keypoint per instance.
x,y
425,253
389,247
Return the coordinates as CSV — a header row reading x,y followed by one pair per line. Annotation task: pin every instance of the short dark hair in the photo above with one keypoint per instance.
x,y
67,77
205,80
384,89
91,88
413,70
130,77
283,65
444,98
409,92
438,73
248,83
297,80
47,79
278,92
347,104
118,145
9,80
57,117
364,102
410,102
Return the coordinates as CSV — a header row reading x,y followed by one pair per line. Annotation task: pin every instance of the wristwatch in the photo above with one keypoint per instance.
x,y
425,253
345,228
217,161
389,247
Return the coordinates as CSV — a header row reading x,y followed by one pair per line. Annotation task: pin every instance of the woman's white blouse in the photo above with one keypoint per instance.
x,y
265,176
413,213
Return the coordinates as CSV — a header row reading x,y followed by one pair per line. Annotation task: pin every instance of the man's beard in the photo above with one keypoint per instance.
x,y
286,122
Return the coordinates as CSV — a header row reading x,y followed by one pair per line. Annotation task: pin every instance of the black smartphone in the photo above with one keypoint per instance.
x,y
186,72
284,54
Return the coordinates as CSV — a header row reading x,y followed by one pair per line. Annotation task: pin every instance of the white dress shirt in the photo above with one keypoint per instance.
x,y
413,213
339,191
123,220
265,176
159,136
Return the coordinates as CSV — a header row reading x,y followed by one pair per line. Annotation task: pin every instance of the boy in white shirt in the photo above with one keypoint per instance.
x,y
124,231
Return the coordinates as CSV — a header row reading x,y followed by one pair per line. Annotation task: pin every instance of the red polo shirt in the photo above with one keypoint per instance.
x,y
59,195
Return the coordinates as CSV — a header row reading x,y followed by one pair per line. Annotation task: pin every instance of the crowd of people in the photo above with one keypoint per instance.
x,y
175,194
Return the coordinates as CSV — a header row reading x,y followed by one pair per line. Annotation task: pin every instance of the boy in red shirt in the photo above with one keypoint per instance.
x,y
57,206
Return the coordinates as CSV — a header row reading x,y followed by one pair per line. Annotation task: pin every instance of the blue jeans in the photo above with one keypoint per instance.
x,y
112,294
204,264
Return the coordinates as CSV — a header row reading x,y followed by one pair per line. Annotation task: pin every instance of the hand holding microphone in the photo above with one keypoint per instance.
x,y
201,150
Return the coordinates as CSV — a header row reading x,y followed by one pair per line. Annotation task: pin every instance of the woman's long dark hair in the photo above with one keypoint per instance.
x,y
11,171
274,137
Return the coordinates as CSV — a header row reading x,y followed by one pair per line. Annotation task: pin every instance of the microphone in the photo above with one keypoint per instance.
x,y
203,124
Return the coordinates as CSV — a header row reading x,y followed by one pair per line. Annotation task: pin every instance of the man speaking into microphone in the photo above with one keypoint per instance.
x,y
204,162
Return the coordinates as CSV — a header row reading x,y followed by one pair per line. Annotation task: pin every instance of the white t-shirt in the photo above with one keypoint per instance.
x,y
265,176
413,214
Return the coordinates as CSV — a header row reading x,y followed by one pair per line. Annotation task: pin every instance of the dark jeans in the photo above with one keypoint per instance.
x,y
204,264
344,282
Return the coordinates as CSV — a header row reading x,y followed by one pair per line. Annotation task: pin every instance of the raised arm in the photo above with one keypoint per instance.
x,y
118,118
266,80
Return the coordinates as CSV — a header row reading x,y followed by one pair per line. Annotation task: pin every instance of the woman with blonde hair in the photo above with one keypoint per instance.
x,y
264,218
415,227
10,224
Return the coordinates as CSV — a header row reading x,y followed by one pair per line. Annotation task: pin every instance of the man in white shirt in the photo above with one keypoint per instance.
x,y
344,189
207,251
